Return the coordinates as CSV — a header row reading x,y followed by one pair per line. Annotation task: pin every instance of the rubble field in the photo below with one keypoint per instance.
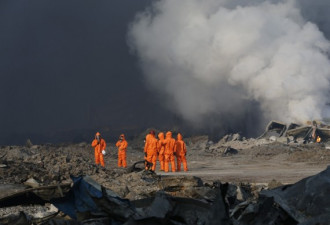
x,y
41,173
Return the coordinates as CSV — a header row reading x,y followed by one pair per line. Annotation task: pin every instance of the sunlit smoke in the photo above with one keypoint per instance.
x,y
211,57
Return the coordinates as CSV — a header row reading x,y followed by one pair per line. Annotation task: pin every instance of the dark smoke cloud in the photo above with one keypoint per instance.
x,y
233,59
65,66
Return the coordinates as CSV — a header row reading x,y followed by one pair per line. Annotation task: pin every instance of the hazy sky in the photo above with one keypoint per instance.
x,y
65,66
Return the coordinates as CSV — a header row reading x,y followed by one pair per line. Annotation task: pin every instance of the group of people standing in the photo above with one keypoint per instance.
x,y
163,148
99,145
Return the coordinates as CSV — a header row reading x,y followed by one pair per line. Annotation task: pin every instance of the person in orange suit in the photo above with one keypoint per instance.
x,y
150,150
161,149
181,152
169,152
99,145
122,146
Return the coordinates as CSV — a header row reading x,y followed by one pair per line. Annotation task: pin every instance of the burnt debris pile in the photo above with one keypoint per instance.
x,y
178,200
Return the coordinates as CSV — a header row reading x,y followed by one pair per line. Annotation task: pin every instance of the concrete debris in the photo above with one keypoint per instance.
x,y
293,126
297,132
87,202
13,193
272,138
32,183
302,132
10,189
230,151
28,143
304,202
60,184
274,184
284,140
276,132
293,134
237,194
274,128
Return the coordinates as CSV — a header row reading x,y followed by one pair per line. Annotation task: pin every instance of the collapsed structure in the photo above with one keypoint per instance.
x,y
296,132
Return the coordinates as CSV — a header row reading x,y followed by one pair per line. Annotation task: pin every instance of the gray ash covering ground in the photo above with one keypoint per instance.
x,y
249,165
53,164
48,164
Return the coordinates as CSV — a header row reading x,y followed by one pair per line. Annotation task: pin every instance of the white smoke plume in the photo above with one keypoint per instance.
x,y
217,57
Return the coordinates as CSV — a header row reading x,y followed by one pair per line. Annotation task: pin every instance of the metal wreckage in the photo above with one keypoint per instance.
x,y
174,199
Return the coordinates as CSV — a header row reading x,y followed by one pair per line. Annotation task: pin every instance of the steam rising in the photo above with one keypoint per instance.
x,y
211,57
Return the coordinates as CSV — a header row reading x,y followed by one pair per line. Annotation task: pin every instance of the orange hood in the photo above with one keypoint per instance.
x,y
179,137
161,136
169,134
97,134
123,136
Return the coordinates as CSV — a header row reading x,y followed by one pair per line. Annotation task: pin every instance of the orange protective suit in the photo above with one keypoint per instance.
x,y
98,144
161,150
150,150
181,151
122,146
169,152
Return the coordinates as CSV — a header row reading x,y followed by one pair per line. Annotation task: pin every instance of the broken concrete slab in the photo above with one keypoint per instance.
x,y
32,183
300,132
13,194
3,165
283,140
239,193
272,138
274,128
293,126
10,189
273,207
